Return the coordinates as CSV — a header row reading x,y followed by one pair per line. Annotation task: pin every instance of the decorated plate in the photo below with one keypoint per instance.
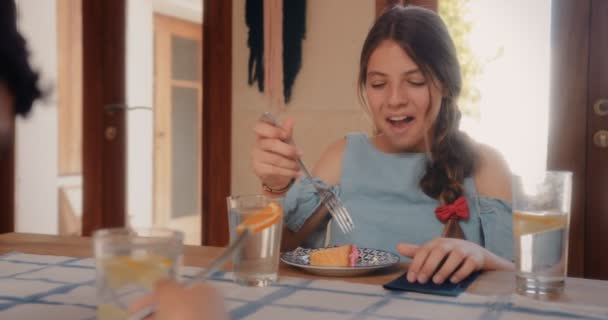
x,y
369,260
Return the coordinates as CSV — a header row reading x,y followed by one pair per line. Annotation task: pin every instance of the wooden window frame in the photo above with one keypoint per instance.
x,y
69,85
217,120
164,28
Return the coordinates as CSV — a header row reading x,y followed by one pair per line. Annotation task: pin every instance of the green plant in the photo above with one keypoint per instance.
x,y
454,13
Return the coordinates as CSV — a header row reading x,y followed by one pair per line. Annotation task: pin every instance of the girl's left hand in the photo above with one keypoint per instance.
x,y
441,258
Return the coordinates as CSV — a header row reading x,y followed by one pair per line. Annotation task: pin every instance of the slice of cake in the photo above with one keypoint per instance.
x,y
343,256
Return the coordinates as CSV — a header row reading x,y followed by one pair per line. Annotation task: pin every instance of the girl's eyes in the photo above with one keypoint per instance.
x,y
379,85
412,82
417,83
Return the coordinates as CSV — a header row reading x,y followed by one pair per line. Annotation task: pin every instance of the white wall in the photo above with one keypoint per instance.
x,y
324,100
498,25
36,137
140,122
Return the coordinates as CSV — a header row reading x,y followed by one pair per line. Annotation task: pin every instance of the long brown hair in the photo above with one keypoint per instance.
x,y
424,37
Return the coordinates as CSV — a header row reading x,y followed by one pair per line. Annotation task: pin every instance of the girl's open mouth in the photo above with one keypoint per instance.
x,y
400,122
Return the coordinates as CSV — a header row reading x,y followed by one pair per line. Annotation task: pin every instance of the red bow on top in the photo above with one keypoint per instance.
x,y
458,209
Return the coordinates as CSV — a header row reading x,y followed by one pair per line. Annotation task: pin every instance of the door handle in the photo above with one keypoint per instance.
x,y
110,133
601,107
600,139
111,130
115,107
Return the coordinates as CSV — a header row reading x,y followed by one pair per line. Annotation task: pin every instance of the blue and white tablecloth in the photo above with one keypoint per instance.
x,y
52,287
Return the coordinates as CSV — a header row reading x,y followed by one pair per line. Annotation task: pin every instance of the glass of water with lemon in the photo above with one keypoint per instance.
x,y
128,264
541,219
256,263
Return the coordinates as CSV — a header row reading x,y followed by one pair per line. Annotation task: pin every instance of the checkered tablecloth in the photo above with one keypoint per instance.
x,y
52,287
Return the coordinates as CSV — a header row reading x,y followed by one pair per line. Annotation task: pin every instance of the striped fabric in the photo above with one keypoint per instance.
x,y
51,287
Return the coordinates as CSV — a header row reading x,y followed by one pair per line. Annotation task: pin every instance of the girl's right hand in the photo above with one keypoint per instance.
x,y
274,160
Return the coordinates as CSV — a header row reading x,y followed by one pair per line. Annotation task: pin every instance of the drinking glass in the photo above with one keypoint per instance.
x,y
256,263
128,264
541,219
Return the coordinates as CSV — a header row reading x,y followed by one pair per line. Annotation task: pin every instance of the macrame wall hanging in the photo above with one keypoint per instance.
x,y
276,31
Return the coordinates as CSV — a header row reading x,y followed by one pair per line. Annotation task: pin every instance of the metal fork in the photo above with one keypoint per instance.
x,y
328,197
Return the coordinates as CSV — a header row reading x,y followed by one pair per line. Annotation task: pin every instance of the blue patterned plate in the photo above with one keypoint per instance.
x,y
369,260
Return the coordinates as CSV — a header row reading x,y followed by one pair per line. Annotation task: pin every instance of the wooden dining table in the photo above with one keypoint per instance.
x,y
577,291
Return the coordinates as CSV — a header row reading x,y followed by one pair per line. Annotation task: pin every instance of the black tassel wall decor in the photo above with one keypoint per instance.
x,y
294,32
254,18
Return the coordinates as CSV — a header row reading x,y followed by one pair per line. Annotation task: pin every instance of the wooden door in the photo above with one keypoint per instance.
x,y
177,125
7,183
596,256
579,81
104,125
217,119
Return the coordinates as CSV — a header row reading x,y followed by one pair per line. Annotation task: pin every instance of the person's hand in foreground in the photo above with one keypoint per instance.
x,y
173,301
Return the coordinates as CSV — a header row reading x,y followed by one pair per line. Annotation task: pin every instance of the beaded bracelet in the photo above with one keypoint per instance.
x,y
278,191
